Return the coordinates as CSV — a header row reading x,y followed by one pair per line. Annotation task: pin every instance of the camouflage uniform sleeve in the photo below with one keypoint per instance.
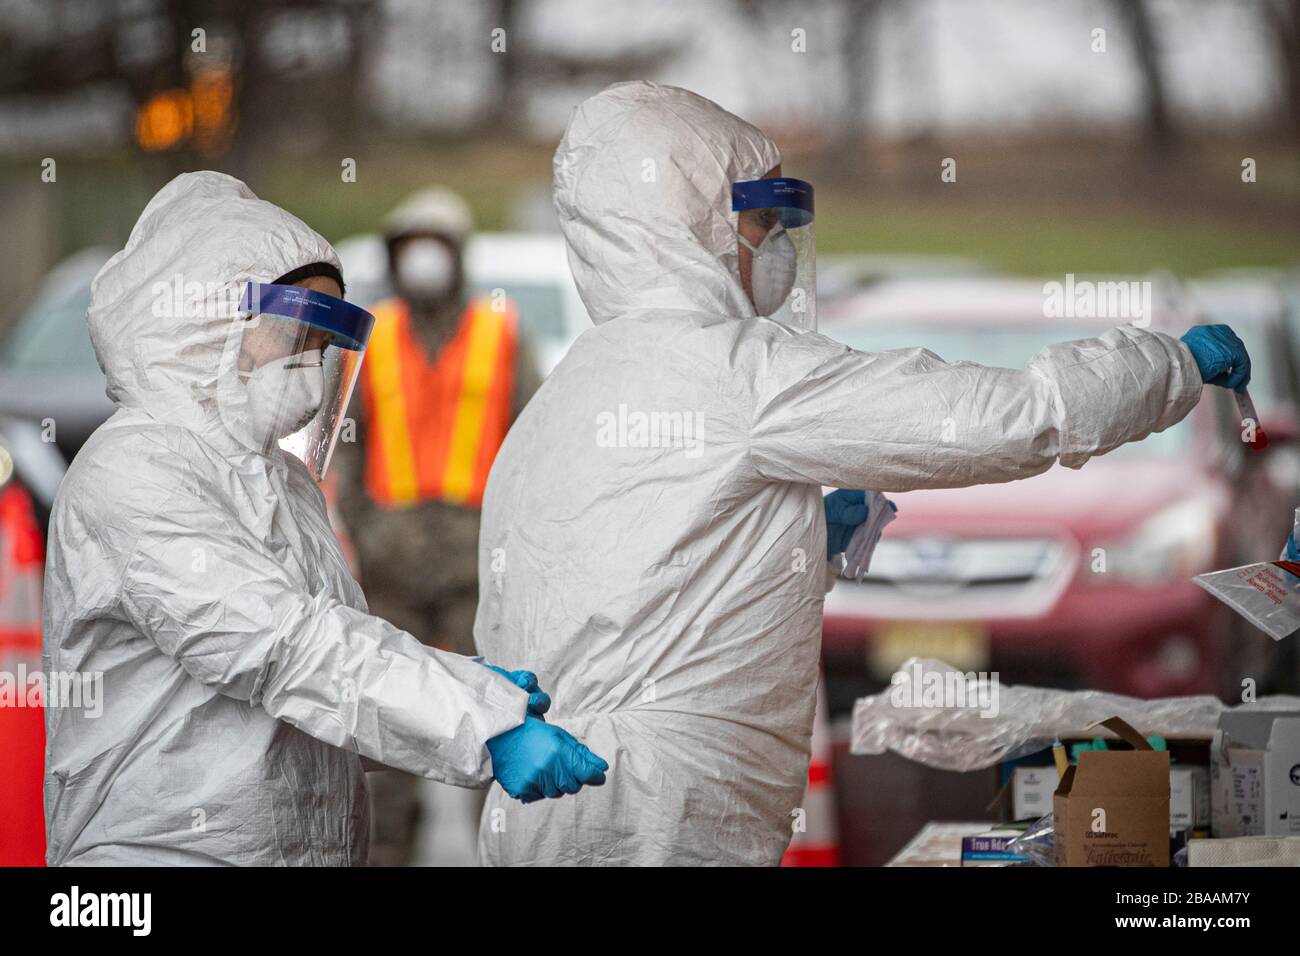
x,y
527,379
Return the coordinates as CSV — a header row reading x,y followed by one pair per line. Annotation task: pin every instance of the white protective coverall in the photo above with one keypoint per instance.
x,y
242,676
669,593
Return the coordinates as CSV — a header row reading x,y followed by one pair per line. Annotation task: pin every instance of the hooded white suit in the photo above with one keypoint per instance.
x,y
242,676
669,594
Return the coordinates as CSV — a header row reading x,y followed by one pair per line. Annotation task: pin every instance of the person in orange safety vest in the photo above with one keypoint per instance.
x,y
444,376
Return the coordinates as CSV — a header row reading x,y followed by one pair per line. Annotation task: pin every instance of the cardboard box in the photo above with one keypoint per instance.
x,y
1282,779
1233,804
1031,791
1202,782
1189,797
1255,774
1112,807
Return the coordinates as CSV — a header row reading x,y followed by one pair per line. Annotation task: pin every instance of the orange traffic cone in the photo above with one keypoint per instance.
x,y
22,714
817,841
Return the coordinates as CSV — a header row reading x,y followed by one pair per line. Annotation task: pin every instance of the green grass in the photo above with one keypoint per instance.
x,y
1026,243
98,199
489,175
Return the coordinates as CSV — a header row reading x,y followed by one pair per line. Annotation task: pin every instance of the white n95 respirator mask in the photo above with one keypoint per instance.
x,y
426,269
285,394
772,274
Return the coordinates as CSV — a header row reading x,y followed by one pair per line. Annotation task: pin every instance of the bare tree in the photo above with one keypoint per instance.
x,y
1282,17
524,66
846,154
1156,124
856,55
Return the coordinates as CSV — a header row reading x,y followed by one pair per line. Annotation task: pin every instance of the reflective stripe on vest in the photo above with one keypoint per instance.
x,y
433,427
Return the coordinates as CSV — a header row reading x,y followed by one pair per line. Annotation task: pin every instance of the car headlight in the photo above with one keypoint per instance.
x,y
1173,544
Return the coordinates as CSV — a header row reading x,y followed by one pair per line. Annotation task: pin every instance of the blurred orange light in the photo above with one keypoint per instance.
x,y
165,120
212,94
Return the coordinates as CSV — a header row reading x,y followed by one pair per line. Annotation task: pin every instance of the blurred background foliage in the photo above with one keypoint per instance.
x,y
1068,158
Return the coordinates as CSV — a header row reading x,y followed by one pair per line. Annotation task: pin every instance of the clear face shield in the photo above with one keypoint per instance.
x,y
784,262
296,354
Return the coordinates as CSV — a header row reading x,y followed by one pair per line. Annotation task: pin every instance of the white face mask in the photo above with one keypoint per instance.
x,y
426,269
285,394
772,273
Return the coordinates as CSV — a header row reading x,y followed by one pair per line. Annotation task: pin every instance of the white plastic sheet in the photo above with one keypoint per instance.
x,y
862,545
1266,594
1008,721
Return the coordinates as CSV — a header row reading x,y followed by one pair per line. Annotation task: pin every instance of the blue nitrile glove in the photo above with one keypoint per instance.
x,y
845,510
538,759
1292,552
539,702
1220,356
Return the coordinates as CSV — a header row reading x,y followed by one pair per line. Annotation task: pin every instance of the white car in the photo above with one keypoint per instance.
x,y
531,268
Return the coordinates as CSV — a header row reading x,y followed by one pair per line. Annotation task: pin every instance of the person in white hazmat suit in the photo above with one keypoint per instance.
x,y
195,589
670,592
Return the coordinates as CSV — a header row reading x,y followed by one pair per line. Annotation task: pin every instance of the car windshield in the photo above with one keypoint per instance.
x,y
51,335
998,346
541,305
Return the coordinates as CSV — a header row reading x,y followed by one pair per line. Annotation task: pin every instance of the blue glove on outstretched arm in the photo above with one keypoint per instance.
x,y
1220,356
845,510
538,759
539,702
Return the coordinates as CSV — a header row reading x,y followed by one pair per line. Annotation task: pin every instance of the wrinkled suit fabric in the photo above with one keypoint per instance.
x,y
242,679
669,594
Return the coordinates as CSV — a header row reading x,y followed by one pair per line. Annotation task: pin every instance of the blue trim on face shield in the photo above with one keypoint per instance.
x,y
792,198
349,324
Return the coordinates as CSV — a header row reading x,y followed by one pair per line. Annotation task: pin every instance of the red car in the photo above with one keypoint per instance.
x,y
1074,579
